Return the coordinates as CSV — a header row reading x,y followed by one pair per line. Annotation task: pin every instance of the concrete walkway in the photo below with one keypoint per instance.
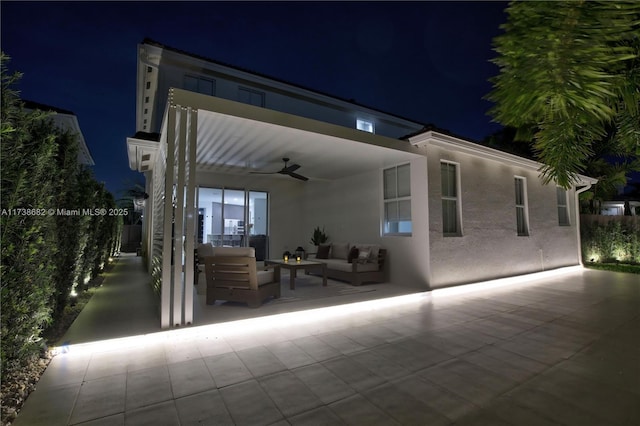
x,y
556,350
123,306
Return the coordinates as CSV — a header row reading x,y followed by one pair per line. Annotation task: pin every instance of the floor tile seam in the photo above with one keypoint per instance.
x,y
514,353
442,390
567,401
475,405
499,338
244,364
406,395
311,392
93,420
481,367
537,360
171,385
145,405
540,413
73,406
273,403
575,346
594,380
323,405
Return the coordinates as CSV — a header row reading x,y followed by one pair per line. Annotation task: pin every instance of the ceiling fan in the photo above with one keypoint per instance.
x,y
286,170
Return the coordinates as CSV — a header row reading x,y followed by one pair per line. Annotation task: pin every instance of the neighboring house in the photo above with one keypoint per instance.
x,y
620,207
66,121
448,210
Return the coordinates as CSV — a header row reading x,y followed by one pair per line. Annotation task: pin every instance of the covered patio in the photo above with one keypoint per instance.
x,y
212,142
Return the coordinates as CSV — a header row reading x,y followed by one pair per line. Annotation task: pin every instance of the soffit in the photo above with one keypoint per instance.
x,y
235,138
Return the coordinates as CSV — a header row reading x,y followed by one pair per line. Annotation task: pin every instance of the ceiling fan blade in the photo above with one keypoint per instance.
x,y
291,168
297,176
286,170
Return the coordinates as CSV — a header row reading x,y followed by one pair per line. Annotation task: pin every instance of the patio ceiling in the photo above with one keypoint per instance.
x,y
244,139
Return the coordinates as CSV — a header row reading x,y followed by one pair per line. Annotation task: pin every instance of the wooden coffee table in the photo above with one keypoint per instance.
x,y
293,266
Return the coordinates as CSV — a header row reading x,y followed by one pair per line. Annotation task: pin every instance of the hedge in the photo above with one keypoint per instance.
x,y
44,255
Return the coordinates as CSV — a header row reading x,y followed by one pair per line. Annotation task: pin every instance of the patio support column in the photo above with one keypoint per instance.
x,y
178,254
178,226
167,243
190,212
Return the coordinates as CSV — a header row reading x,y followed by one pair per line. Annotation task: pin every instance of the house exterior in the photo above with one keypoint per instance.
x,y
620,207
449,211
66,121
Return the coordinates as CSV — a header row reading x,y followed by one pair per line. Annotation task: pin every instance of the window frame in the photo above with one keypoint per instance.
x,y
251,91
199,79
457,199
389,227
563,197
522,207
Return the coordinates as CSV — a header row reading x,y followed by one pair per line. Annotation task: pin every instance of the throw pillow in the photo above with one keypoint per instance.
x,y
340,251
363,256
374,249
323,252
353,254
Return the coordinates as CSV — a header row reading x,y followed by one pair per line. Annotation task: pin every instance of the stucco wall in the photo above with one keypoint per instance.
x,y
489,246
350,210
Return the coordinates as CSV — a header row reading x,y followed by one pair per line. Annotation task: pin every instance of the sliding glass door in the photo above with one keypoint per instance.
x,y
234,218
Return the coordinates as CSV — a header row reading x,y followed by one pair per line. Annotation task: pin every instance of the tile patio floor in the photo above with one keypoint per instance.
x,y
561,350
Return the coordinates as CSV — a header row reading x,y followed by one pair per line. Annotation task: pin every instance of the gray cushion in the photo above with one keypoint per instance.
x,y
264,277
340,250
234,251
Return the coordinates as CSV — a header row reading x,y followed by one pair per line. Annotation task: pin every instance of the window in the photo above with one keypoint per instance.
x,y
251,97
149,69
199,85
364,125
397,200
451,211
522,215
563,207
148,85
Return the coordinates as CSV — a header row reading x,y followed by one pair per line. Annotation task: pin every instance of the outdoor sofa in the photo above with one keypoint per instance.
x,y
355,263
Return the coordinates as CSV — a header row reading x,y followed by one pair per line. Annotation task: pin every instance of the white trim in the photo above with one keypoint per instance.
x,y
458,198
566,206
136,149
452,143
524,206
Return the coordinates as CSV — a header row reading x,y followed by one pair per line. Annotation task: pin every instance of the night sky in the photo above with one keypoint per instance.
x,y
426,61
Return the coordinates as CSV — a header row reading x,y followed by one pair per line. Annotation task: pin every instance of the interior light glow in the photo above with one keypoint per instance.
x,y
300,318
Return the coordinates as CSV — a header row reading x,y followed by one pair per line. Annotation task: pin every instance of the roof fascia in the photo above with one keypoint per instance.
x,y
442,140
136,148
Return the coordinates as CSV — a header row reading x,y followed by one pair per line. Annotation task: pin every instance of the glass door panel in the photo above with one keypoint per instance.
x,y
233,214
210,210
258,223
236,218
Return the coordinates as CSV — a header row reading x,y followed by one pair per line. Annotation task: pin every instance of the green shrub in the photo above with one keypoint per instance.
x,y
45,256
28,241
612,242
